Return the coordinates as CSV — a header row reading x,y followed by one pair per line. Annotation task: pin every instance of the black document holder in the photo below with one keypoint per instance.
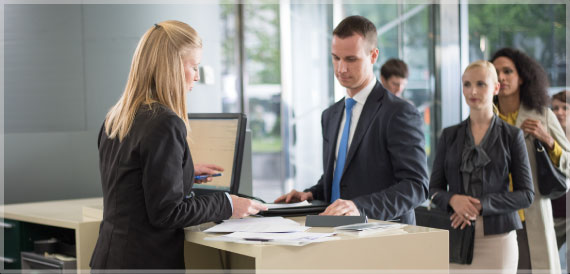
x,y
332,221
316,207
461,242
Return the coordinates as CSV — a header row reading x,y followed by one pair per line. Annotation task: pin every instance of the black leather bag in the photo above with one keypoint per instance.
x,y
551,181
461,241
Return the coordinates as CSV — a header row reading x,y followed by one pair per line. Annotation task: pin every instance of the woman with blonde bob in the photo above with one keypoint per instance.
x,y
470,175
145,162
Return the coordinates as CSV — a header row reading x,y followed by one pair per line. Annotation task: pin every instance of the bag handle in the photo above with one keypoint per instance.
x,y
431,200
538,145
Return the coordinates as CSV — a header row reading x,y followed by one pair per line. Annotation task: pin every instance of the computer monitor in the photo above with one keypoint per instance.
x,y
218,138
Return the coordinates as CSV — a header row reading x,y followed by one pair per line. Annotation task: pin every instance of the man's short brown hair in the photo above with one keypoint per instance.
x,y
394,67
360,25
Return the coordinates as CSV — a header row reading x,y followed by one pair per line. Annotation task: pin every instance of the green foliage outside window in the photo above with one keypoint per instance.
x,y
539,30
263,43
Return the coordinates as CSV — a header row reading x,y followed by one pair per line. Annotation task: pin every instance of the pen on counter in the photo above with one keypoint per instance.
x,y
257,239
202,177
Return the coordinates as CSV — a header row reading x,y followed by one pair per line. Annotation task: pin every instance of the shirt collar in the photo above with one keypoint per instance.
x,y
362,95
510,118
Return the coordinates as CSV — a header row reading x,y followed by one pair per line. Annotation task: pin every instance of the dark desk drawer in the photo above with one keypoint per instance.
x,y
20,236
12,244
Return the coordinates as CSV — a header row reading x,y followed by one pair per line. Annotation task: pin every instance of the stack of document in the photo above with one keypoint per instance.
x,y
293,238
368,228
263,224
270,230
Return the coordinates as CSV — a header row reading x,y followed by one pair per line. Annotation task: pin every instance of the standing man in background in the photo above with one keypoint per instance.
x,y
373,147
394,76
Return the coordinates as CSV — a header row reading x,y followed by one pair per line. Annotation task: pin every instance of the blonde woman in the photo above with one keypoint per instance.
x,y
470,175
523,102
145,162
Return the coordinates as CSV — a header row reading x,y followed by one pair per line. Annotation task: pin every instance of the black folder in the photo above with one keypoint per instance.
x,y
315,207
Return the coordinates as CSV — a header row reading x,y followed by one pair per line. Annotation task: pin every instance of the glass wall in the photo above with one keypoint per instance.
x,y
538,30
311,92
251,75
405,32
231,95
285,124
262,91
263,76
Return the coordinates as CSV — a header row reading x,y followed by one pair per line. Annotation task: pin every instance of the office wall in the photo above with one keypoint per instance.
x,y
65,66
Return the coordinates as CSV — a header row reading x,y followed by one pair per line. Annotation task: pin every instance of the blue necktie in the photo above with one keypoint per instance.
x,y
342,150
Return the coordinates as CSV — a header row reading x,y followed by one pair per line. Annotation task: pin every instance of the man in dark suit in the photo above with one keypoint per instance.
x,y
379,148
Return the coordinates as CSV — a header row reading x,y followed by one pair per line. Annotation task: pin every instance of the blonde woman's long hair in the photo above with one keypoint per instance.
x,y
157,75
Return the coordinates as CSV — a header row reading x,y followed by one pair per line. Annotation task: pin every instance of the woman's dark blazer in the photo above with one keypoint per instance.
x,y
145,179
507,151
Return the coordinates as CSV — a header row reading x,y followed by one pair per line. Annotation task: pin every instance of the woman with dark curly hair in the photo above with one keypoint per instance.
x,y
522,101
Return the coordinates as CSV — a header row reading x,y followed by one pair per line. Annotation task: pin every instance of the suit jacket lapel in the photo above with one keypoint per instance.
x,y
371,106
460,145
494,133
332,133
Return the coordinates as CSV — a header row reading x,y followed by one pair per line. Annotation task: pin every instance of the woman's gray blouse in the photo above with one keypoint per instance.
x,y
474,158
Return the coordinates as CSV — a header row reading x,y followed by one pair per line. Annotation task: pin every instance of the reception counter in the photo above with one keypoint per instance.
x,y
407,248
